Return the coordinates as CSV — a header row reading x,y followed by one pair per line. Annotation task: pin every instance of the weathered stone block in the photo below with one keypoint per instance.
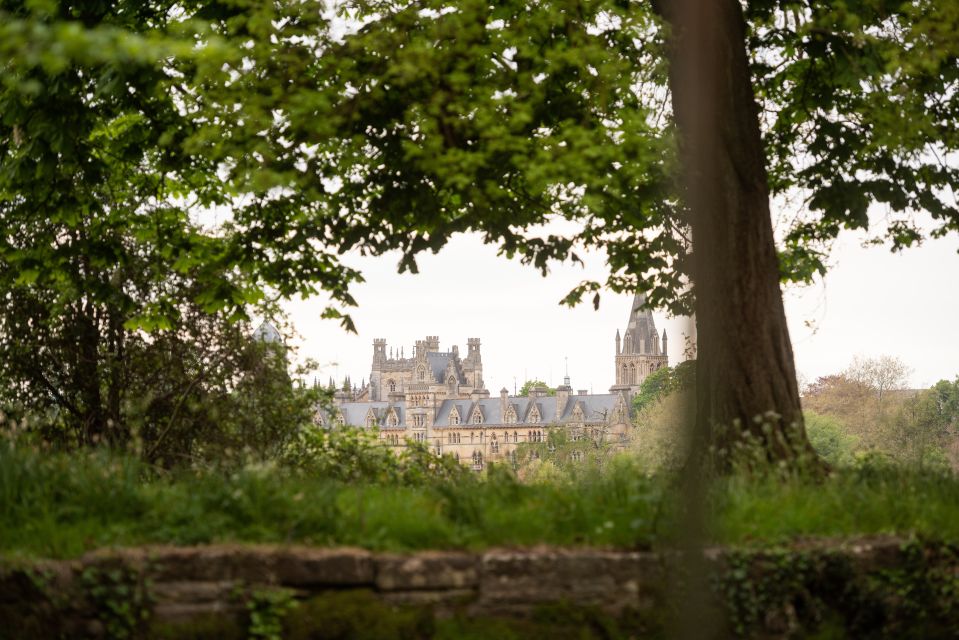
x,y
517,580
248,564
427,570
193,592
306,567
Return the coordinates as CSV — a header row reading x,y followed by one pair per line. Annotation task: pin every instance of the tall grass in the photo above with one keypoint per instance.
x,y
60,505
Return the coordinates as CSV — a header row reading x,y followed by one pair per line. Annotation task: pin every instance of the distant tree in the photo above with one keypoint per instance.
x,y
664,381
655,386
881,375
831,439
945,395
529,384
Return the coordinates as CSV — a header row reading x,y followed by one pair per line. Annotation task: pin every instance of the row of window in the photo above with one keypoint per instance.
x,y
628,372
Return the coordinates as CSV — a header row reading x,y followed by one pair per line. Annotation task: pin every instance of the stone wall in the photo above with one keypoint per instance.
x,y
866,587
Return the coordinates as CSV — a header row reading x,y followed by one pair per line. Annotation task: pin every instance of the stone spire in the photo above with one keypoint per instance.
x,y
641,328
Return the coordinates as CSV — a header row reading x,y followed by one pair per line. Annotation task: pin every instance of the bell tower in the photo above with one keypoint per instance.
x,y
640,351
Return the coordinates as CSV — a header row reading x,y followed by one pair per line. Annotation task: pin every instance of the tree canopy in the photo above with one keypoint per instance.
x,y
233,153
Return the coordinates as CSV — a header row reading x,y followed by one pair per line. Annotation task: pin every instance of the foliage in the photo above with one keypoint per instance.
x,y
830,439
880,375
121,284
122,599
222,400
62,504
124,124
660,438
267,609
653,388
529,385
871,413
564,455
354,454
662,382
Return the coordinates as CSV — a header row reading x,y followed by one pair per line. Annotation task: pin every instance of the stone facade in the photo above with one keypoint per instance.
x,y
640,351
439,398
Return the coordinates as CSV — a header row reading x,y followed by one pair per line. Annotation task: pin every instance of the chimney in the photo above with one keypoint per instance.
x,y
503,401
562,399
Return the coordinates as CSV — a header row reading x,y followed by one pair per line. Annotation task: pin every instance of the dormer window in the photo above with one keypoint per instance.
x,y
477,417
510,417
454,417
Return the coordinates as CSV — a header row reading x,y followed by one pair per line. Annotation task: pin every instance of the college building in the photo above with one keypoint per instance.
x,y
439,398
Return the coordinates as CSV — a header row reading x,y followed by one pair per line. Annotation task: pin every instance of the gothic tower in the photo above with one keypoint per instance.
x,y
639,351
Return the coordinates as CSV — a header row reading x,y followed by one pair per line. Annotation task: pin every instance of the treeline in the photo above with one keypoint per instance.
x,y
868,410
865,411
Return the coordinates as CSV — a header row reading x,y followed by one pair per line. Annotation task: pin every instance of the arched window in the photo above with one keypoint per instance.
x,y
632,374
624,375
392,385
477,417
421,373
454,418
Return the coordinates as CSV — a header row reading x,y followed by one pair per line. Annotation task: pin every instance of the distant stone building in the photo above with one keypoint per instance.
x,y
640,351
439,398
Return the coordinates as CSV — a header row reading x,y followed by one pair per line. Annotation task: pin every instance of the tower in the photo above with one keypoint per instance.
x,y
640,351
379,361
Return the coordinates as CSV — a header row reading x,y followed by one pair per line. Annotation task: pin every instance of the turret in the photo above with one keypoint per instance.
x,y
665,350
617,342
433,343
379,350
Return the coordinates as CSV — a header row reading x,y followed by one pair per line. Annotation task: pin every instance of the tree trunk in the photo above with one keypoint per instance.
x,y
745,375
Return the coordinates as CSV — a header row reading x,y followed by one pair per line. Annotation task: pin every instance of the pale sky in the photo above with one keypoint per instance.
x,y
871,303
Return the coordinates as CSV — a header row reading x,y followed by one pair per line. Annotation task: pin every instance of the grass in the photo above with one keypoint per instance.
x,y
61,505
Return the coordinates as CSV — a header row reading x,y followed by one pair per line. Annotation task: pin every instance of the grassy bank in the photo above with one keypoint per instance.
x,y
60,505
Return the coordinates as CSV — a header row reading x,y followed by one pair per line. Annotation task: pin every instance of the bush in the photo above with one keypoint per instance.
x,y
830,438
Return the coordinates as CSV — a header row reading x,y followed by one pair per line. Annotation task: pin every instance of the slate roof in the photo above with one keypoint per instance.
x,y
354,413
437,363
595,408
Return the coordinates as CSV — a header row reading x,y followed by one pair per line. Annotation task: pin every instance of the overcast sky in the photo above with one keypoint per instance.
x,y
871,303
